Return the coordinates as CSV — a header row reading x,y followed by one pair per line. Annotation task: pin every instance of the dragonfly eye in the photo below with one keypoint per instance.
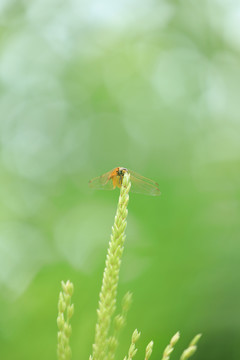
x,y
122,171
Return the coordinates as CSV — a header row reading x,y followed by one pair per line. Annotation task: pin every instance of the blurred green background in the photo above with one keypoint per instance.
x,y
87,86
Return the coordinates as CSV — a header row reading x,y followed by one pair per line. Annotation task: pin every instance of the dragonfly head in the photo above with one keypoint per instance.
x,y
122,171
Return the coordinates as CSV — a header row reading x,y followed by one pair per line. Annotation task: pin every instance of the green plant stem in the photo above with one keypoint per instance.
x,y
65,312
107,297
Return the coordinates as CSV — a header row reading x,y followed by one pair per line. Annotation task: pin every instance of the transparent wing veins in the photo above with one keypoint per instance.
x,y
143,185
102,182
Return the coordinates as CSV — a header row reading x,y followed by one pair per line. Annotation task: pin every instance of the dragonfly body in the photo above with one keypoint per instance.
x,y
117,175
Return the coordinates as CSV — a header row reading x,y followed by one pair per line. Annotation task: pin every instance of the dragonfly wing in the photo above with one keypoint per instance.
x,y
102,182
143,185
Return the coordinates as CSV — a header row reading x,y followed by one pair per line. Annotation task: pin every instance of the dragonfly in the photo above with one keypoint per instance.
x,y
114,178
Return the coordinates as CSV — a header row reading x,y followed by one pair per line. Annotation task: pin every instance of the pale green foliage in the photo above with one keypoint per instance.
x,y
132,349
105,345
186,353
148,352
191,348
65,312
168,350
195,340
119,322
